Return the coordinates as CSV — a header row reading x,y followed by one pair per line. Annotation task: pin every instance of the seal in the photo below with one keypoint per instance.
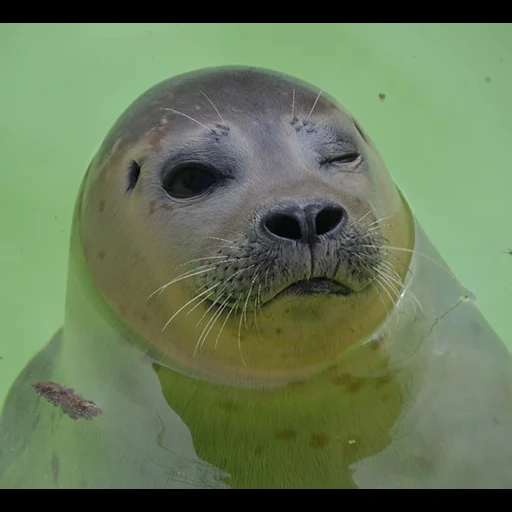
x,y
252,303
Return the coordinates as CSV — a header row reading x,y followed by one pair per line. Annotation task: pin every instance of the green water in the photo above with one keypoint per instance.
x,y
443,129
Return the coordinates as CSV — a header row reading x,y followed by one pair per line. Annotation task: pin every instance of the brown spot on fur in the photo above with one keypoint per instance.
x,y
55,467
101,255
166,206
152,207
286,435
230,406
102,206
153,137
355,386
258,452
319,440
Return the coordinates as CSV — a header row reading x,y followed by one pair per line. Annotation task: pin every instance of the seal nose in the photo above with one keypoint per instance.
x,y
304,224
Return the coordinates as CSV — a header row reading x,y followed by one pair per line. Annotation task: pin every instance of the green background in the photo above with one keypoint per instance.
x,y
444,130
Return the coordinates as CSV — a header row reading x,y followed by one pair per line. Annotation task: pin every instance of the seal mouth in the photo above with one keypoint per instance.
x,y
316,286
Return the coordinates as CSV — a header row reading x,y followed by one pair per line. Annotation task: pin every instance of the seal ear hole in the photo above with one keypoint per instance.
x,y
133,175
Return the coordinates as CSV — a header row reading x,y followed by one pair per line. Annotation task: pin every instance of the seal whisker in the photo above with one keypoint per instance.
x,y
389,267
314,104
395,310
382,219
184,306
185,275
265,282
214,319
204,299
414,251
198,344
231,242
389,282
187,116
377,228
215,264
255,311
214,107
369,212
239,335
379,259
226,283
208,326
250,291
224,323
378,291
402,285
201,259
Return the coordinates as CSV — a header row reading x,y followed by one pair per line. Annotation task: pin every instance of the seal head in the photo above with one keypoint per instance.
x,y
243,224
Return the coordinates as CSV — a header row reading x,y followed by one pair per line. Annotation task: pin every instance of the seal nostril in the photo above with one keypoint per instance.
x,y
328,220
284,226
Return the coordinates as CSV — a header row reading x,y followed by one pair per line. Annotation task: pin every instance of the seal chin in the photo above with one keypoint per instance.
x,y
316,286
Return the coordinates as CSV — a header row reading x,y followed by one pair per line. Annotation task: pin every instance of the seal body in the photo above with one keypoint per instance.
x,y
251,303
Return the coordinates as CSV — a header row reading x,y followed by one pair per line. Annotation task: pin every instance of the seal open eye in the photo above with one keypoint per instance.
x,y
189,180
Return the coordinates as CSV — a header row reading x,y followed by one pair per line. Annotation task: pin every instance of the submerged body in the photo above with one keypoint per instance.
x,y
251,303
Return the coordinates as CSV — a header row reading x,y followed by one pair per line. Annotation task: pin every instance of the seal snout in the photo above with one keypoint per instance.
x,y
295,222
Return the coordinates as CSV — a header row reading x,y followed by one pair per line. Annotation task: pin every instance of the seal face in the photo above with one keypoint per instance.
x,y
242,222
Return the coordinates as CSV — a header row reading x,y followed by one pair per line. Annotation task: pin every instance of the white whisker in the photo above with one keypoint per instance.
x,y
207,329
214,107
187,116
183,307
225,321
201,259
314,104
185,275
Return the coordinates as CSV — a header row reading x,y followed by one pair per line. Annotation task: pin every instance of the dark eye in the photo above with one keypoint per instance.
x,y
189,180
346,158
